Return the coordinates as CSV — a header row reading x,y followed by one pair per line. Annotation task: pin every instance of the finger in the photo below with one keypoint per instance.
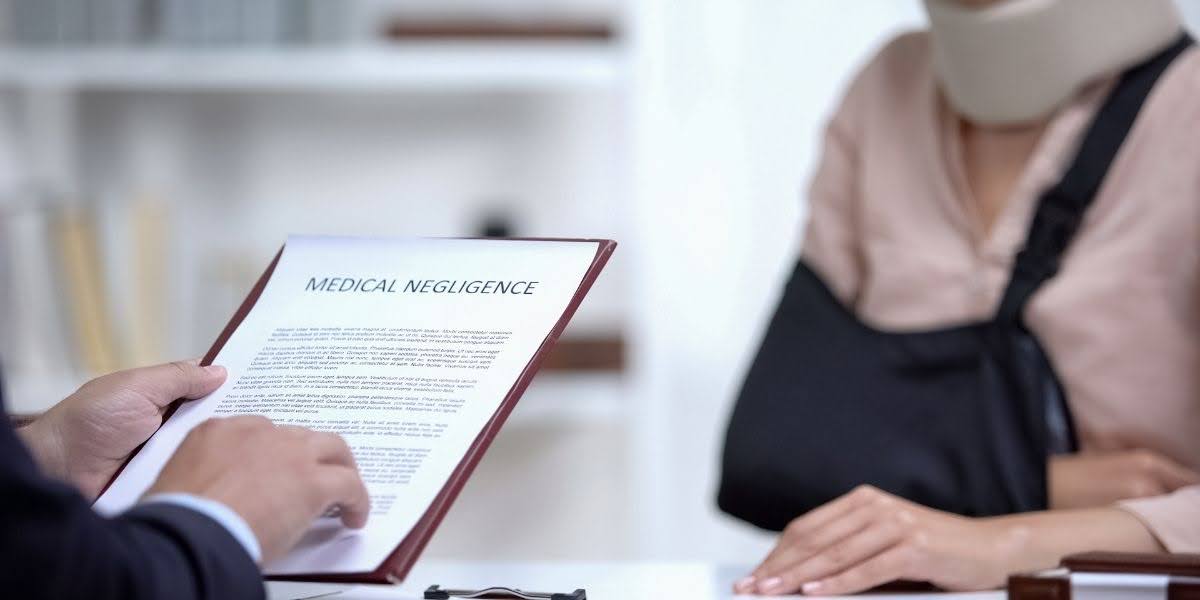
x,y
342,487
332,449
882,568
180,379
834,509
818,517
843,555
745,585
243,425
1171,474
328,448
245,421
295,430
798,550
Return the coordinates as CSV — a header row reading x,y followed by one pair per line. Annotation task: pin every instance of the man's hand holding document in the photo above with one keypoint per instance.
x,y
413,351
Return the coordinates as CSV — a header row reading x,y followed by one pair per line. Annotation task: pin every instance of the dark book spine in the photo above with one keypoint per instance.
x,y
1179,590
1025,587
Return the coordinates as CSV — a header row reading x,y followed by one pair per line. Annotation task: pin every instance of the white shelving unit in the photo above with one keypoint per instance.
x,y
410,67
539,109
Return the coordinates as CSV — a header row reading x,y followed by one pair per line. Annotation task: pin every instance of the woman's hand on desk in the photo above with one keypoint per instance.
x,y
1102,478
869,537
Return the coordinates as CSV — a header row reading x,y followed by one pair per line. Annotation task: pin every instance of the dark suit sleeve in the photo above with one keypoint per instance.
x,y
53,545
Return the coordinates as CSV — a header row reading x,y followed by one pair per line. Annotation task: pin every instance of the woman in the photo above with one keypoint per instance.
x,y
931,169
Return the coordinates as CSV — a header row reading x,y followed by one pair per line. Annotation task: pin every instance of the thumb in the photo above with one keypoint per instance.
x,y
180,379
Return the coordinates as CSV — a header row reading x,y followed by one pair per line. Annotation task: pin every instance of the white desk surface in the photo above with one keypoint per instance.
x,y
602,580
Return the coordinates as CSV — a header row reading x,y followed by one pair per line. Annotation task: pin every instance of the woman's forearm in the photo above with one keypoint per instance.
x,y
869,537
1039,540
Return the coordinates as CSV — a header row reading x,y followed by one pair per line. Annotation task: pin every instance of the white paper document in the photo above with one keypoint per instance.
x,y
404,347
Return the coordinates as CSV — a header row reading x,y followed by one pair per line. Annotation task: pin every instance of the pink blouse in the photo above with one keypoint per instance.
x,y
895,234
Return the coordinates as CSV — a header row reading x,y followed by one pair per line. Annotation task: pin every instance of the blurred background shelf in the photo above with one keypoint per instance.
x,y
427,66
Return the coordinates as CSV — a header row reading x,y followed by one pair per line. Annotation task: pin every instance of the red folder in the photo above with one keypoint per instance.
x,y
397,565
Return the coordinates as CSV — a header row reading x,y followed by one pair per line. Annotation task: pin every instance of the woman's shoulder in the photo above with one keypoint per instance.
x,y
905,60
1172,114
1181,82
1189,67
904,54
900,68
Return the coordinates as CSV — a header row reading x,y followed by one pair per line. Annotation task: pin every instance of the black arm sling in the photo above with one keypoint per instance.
x,y
960,419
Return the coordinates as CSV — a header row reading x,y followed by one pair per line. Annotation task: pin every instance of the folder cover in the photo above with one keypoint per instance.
x,y
397,565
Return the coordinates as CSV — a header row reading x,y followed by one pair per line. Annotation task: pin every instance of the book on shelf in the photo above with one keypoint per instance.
x,y
84,291
476,28
178,23
36,337
133,237
147,313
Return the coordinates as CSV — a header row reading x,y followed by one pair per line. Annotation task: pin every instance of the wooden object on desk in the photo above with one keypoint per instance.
x,y
1113,575
488,29
590,354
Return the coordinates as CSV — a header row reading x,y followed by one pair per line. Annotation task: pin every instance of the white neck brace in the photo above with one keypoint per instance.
x,y
1015,61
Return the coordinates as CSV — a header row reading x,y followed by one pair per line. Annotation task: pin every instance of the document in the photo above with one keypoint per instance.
x,y
407,348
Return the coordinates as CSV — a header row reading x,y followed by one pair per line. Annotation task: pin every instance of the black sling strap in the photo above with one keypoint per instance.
x,y
1060,209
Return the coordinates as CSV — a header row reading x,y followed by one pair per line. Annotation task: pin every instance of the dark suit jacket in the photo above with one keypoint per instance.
x,y
52,545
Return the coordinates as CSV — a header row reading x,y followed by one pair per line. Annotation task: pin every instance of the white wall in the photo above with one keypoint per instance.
x,y
731,99
1191,12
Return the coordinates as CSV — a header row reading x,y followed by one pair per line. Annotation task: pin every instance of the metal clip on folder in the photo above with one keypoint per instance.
x,y
437,593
